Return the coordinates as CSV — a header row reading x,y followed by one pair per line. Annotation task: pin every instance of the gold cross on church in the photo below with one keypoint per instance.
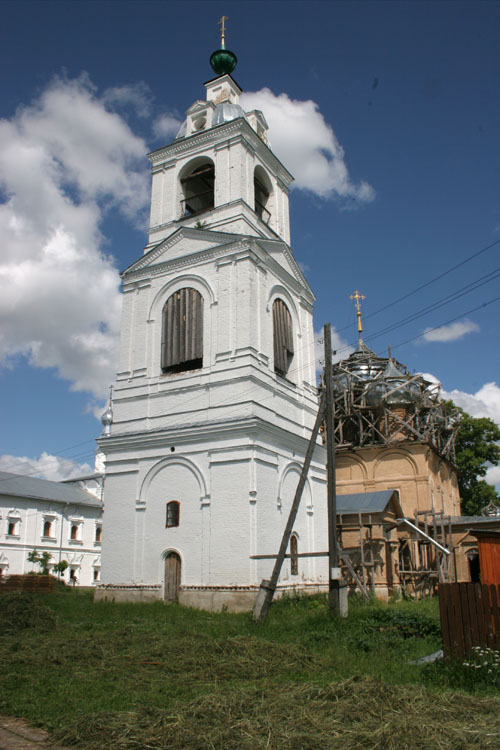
x,y
222,24
358,297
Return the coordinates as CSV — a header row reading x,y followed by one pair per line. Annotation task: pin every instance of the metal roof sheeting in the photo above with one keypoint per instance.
x,y
16,485
365,502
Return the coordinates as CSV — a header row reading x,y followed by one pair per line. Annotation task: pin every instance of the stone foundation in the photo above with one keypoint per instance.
x,y
211,599
109,593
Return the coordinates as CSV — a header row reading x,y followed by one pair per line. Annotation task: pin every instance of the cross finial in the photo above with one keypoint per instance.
x,y
358,297
222,24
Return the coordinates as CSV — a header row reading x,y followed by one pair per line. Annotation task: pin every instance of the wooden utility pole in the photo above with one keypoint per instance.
x,y
333,555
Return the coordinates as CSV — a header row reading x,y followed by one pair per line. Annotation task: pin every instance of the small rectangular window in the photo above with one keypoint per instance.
x,y
172,514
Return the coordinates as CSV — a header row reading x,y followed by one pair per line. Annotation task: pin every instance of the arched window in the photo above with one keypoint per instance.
x,y
283,337
74,531
173,514
294,551
47,528
262,191
198,189
98,533
182,339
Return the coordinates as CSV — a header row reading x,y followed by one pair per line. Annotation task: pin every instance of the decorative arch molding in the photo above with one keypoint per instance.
x,y
194,163
180,282
75,559
344,462
293,467
399,454
169,551
4,561
278,290
167,462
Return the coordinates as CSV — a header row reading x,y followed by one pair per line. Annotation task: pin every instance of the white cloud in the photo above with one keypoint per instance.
x,y
484,403
451,332
63,160
493,476
136,94
46,466
307,145
166,125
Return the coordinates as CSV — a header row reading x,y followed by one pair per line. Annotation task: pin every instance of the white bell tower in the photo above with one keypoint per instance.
x,y
250,194
215,395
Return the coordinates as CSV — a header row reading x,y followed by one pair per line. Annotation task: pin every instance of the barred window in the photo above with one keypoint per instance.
x,y
283,337
182,338
173,513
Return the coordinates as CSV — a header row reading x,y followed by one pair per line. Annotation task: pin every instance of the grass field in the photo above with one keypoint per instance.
x,y
153,676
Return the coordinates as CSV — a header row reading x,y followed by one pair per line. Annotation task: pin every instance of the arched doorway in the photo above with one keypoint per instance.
x,y
172,577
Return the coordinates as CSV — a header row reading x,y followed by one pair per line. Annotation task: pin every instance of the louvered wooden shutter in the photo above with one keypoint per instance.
x,y
283,337
182,340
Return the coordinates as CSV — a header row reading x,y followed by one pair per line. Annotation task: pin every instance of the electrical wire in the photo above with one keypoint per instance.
x,y
452,297
425,284
452,320
472,286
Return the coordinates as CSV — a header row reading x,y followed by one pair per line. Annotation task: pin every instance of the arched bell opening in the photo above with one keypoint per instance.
x,y
198,188
263,195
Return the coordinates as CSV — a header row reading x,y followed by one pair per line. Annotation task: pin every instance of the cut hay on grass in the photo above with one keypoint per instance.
x,y
356,714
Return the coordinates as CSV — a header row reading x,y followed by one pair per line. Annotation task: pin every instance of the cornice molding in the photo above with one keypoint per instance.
x,y
253,427
240,127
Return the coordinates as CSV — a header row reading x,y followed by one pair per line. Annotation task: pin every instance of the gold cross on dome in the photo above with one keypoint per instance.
x,y
358,297
222,24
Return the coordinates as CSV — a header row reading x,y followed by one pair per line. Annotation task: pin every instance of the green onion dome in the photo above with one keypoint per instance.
x,y
223,61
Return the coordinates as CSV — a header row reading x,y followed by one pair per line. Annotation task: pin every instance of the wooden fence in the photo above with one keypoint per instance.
x,y
469,616
34,584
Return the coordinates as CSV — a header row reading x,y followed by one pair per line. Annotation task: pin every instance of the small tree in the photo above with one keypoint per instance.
x,y
42,559
476,447
60,567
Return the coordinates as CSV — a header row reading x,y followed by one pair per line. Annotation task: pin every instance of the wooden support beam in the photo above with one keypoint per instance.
x,y
288,555
268,587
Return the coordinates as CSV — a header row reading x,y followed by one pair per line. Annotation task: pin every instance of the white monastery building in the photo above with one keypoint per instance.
x,y
215,397
61,518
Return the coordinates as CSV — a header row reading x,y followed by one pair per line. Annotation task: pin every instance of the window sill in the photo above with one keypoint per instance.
x,y
13,536
75,541
284,379
49,539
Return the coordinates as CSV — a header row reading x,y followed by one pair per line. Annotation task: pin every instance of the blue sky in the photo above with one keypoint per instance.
x,y
398,180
